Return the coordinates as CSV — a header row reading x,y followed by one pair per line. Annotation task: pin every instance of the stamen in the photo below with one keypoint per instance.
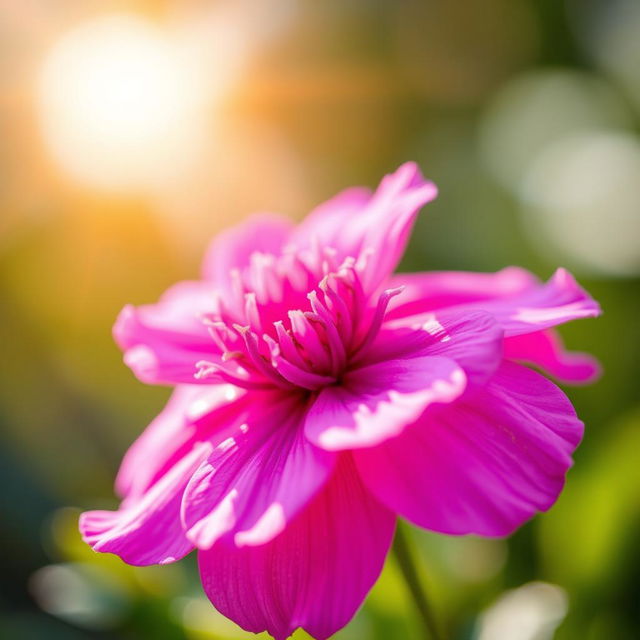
x,y
215,372
307,336
310,349
329,286
251,312
287,345
251,342
220,333
301,377
378,317
334,341
232,355
349,277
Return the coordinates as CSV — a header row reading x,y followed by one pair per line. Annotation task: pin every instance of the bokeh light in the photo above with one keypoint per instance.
x,y
531,612
82,594
535,109
583,198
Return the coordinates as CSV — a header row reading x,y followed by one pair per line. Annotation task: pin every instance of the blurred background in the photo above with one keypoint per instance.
x,y
132,131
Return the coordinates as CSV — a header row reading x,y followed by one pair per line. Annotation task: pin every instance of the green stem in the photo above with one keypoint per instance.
x,y
402,552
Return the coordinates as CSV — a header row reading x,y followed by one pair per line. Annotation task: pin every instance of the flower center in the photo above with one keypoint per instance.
x,y
297,320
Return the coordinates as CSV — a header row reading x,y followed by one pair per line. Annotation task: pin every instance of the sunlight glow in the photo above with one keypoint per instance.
x,y
118,101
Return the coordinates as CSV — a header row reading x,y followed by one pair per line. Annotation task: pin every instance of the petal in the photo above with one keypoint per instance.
x,y
483,465
424,292
314,575
232,249
258,478
474,339
147,530
544,349
163,342
378,401
373,229
326,224
557,301
193,413
522,309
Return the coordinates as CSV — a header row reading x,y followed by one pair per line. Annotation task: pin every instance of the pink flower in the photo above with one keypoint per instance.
x,y
318,396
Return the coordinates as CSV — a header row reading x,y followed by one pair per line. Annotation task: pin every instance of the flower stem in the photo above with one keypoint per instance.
x,y
402,553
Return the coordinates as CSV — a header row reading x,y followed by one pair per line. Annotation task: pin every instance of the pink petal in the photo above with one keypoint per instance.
x,y
327,223
401,374
377,401
559,300
193,413
433,290
483,465
232,249
545,350
527,309
147,530
163,342
256,479
373,229
314,575
474,339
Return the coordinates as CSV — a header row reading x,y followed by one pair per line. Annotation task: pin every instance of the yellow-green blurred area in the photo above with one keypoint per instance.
x,y
131,132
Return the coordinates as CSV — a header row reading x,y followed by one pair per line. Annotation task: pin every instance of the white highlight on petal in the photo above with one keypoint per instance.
x,y
208,530
409,405
230,392
270,524
433,327
211,398
227,444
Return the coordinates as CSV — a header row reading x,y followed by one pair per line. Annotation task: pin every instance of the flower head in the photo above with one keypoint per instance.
x,y
318,396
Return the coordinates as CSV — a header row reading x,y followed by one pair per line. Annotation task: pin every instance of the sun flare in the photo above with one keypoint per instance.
x,y
117,101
